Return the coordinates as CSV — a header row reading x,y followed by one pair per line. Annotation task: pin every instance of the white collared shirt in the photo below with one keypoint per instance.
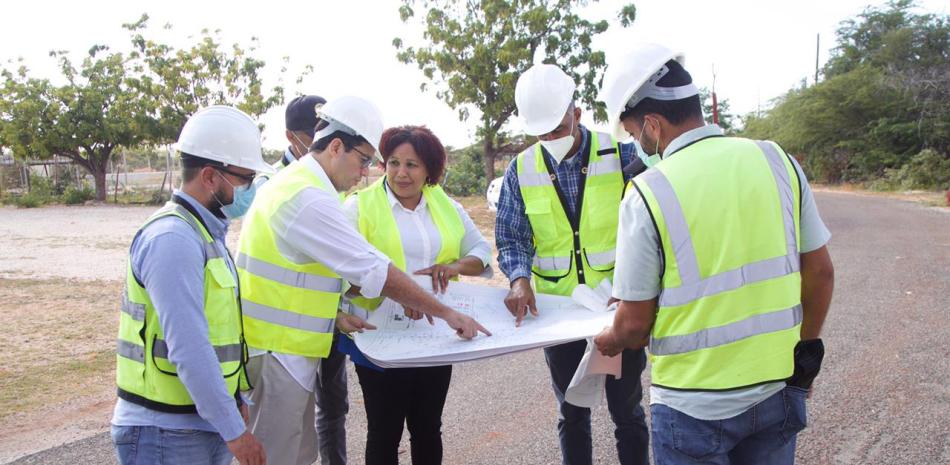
x,y
311,227
421,240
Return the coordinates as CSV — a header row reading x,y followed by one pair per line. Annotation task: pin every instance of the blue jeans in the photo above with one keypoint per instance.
x,y
763,434
623,403
151,445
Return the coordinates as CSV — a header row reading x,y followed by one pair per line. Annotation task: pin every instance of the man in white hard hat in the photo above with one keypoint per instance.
x,y
328,382
180,353
557,226
297,248
721,267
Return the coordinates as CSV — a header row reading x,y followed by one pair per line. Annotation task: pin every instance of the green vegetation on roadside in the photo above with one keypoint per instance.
x,y
881,115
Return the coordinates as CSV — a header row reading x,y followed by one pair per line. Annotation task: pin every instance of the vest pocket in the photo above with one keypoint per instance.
x,y
220,290
541,219
602,261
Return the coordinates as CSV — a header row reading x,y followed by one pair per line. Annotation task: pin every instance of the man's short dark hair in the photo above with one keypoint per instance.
x,y
191,166
675,111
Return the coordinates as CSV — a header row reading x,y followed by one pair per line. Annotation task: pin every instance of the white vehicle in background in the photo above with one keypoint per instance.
x,y
493,193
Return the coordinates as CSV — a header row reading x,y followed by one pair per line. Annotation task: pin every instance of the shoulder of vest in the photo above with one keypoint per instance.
x,y
172,209
606,144
530,150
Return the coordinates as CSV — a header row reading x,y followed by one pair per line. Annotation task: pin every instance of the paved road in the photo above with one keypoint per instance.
x,y
883,396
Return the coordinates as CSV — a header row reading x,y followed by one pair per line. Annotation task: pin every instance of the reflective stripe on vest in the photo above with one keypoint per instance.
x,y
288,319
225,353
721,335
291,278
130,350
693,287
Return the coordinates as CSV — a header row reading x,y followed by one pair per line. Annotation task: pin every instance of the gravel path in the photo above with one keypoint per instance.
x,y
883,396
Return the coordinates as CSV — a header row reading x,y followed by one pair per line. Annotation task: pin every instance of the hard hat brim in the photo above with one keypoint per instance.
x,y
613,116
259,167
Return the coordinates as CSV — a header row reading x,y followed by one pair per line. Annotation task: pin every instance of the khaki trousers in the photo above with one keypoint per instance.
x,y
281,413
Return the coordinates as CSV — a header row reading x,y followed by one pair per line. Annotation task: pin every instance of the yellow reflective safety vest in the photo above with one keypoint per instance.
x,y
378,225
288,307
727,214
144,374
572,251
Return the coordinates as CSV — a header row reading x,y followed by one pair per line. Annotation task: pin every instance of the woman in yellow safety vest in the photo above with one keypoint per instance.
x,y
406,215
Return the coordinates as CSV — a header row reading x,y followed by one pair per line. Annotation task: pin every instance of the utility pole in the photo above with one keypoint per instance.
x,y
817,52
715,104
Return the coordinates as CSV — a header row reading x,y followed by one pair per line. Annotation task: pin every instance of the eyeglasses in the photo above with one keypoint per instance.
x,y
365,160
247,178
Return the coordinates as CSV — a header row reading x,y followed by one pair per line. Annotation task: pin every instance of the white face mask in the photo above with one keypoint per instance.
x,y
558,148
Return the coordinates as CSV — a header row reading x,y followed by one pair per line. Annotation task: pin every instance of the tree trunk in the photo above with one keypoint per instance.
x,y
488,157
99,177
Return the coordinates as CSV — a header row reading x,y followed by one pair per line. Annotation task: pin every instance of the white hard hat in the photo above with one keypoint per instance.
x,y
625,76
223,134
352,115
543,94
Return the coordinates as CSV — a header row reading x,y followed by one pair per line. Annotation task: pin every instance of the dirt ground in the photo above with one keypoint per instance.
x,y
61,274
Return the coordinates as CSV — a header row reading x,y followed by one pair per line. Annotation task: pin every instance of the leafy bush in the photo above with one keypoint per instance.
x,y
40,186
76,196
926,170
159,197
31,200
465,174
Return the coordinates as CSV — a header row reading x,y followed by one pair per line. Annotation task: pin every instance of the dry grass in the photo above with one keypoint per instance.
x,y
928,198
57,343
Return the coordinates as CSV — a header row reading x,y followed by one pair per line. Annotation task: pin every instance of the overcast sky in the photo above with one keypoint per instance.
x,y
759,48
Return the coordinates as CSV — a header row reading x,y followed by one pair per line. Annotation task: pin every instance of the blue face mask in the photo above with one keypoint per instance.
x,y
243,197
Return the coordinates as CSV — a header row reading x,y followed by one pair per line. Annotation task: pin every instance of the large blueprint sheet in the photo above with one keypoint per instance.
x,y
402,342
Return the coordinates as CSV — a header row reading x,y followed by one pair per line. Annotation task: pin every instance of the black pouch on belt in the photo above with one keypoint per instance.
x,y
808,357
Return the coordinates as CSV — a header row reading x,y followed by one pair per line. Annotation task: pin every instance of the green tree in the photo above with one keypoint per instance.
x,y
476,50
85,120
885,99
205,73
116,99
892,36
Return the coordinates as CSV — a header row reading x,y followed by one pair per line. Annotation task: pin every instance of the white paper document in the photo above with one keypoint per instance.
x,y
587,386
402,342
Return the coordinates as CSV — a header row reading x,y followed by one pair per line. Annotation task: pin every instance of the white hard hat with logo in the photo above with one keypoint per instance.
x,y
223,134
543,94
352,115
632,77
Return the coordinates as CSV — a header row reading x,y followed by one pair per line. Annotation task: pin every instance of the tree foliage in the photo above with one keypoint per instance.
x,y
125,98
180,81
476,50
884,100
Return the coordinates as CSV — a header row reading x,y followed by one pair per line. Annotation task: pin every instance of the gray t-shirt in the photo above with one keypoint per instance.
x,y
637,278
